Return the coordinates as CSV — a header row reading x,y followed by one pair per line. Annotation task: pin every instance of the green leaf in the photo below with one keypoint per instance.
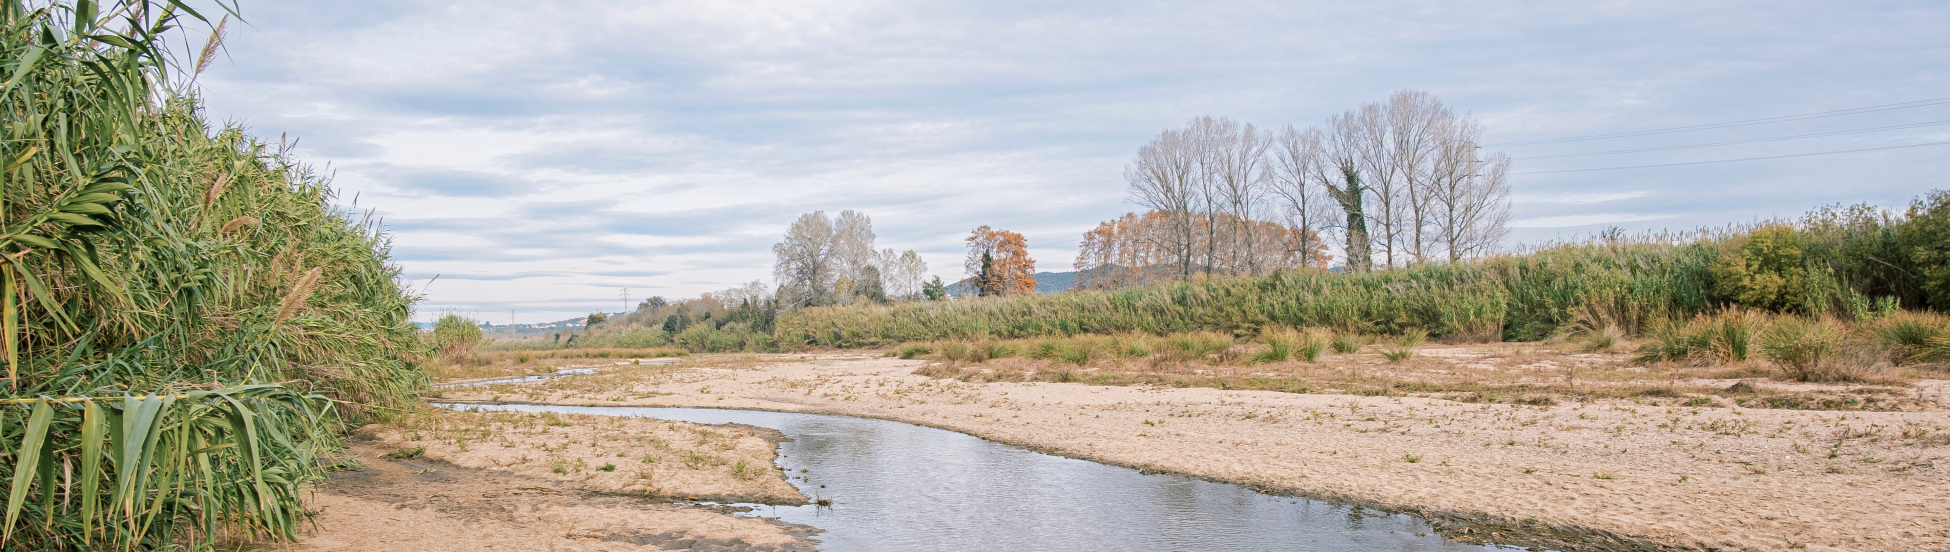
x,y
24,68
37,241
93,422
72,219
96,197
25,467
22,160
85,208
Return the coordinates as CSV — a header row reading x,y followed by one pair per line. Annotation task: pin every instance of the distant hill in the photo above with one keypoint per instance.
x,y
1055,282
538,327
1046,283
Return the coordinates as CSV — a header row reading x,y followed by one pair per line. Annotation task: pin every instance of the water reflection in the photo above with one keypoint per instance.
x,y
898,486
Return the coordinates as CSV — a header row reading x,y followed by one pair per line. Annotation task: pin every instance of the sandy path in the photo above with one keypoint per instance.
x,y
1616,476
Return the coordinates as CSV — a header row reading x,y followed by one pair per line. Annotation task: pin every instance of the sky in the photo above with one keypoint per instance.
x,y
541,157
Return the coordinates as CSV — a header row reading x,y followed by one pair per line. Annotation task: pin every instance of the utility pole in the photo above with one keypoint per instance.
x,y
626,300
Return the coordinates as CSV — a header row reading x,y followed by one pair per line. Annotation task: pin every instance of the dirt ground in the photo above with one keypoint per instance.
x,y
434,494
1675,469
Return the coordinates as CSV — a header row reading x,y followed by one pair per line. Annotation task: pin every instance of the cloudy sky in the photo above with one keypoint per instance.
x,y
540,156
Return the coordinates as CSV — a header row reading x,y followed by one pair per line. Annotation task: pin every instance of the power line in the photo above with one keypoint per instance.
x,y
1737,160
1735,142
1748,122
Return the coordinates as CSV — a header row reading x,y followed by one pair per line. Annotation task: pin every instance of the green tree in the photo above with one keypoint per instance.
x,y
935,290
986,282
594,319
1926,238
1765,269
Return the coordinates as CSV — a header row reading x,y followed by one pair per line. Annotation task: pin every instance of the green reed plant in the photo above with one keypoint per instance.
x,y
158,273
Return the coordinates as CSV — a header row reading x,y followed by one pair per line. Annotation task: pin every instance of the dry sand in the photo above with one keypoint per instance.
x,y
506,493
1594,475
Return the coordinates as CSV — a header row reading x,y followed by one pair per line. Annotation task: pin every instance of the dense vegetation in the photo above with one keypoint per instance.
x,y
186,311
1840,261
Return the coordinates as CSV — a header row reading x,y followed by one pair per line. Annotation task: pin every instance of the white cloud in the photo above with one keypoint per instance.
x,y
670,139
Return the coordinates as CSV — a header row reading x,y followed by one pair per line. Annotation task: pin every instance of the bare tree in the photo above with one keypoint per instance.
x,y
1296,156
853,246
1416,121
805,267
1162,178
1471,209
1402,173
1239,162
901,274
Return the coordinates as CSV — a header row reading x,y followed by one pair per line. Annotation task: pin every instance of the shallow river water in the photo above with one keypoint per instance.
x,y
897,486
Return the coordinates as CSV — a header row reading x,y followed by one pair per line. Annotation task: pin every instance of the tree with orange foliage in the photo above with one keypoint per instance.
x,y
1136,250
999,264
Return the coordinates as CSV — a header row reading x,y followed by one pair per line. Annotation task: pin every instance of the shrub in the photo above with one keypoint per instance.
x,y
1926,238
1764,269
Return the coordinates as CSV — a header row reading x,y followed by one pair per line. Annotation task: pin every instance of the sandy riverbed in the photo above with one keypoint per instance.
x,y
1607,474
463,481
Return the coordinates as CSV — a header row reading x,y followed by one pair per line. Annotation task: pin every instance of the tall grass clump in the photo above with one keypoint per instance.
x,y
187,313
1281,345
1602,339
1197,346
1805,349
1403,347
1349,343
1313,342
1724,337
1915,336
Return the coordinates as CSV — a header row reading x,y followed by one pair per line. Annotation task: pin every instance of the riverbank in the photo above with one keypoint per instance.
x,y
462,481
1592,475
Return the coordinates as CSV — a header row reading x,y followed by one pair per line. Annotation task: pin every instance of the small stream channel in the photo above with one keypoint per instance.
x,y
897,486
